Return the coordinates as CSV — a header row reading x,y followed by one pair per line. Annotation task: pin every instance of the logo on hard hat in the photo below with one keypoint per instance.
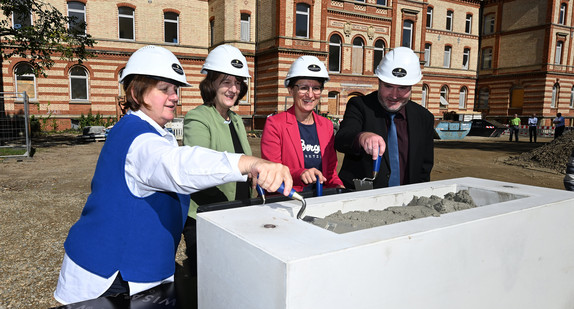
x,y
399,72
177,68
314,68
236,63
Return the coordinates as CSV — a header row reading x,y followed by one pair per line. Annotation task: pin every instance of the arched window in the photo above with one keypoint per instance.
x,y
78,83
302,20
25,79
407,33
126,23
335,53
171,27
358,51
443,97
425,95
555,92
378,53
462,95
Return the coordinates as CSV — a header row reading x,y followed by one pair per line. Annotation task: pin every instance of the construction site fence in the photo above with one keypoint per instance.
x,y
15,139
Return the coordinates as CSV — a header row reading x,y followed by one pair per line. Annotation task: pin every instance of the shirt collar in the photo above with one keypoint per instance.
x,y
163,132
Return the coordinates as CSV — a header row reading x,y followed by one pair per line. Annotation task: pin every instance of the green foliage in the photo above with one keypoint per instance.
x,y
48,35
95,120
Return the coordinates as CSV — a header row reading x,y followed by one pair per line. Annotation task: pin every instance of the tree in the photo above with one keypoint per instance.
x,y
42,33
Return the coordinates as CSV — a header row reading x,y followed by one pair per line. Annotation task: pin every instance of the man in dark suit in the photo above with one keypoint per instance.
x,y
364,131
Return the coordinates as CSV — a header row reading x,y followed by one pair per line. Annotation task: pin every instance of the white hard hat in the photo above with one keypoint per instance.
x,y
307,66
226,59
400,66
155,61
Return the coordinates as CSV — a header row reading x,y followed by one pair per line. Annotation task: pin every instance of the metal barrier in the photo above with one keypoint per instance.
x,y
15,139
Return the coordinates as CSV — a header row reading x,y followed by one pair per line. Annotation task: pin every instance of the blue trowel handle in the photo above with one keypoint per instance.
x,y
319,187
293,194
376,166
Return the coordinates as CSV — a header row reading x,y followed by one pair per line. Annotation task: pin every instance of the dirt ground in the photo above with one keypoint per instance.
x,y
41,197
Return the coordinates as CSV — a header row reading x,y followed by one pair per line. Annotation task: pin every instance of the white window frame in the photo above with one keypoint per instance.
x,y
488,27
486,60
339,46
425,92
26,76
447,55
443,97
468,24
465,58
558,54
245,26
382,2
166,22
408,27
77,11
562,14
18,26
462,96
429,16
449,20
80,78
125,16
378,52
555,92
428,50
302,14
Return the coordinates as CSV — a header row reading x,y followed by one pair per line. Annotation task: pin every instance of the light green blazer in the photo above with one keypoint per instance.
x,y
204,126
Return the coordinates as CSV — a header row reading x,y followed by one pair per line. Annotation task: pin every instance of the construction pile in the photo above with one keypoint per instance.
x,y
552,156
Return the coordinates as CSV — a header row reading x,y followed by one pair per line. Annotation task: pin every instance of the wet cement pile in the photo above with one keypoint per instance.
x,y
418,207
553,155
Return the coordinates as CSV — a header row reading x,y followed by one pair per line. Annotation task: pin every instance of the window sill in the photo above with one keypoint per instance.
x,y
79,102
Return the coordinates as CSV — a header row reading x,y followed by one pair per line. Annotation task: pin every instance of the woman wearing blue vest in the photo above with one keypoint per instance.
x,y
215,126
127,236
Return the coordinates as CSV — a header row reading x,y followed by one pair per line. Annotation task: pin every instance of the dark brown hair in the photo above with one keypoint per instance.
x,y
209,90
136,88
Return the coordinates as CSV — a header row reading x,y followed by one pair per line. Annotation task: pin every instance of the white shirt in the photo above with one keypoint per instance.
x,y
532,121
153,163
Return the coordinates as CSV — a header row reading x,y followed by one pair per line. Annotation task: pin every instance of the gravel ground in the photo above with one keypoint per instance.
x,y
41,197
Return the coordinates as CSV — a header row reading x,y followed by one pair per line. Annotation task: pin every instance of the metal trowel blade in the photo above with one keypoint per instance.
x,y
362,184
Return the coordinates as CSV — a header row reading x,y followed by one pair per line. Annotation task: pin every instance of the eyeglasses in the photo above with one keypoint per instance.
x,y
305,89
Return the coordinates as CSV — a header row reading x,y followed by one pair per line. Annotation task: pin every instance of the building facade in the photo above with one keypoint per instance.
x,y
526,64
350,36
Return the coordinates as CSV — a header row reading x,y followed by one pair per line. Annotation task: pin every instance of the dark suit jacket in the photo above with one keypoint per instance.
x,y
365,113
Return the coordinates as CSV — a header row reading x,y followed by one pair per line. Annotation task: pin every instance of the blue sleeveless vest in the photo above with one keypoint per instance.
x,y
119,231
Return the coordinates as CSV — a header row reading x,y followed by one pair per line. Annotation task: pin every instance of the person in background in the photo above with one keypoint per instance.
x,y
299,137
214,125
514,127
559,125
127,235
532,127
370,120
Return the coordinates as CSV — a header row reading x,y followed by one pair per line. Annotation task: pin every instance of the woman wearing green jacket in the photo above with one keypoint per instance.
x,y
213,125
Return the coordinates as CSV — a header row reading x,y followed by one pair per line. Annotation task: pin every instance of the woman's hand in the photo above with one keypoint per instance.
x,y
268,175
310,176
